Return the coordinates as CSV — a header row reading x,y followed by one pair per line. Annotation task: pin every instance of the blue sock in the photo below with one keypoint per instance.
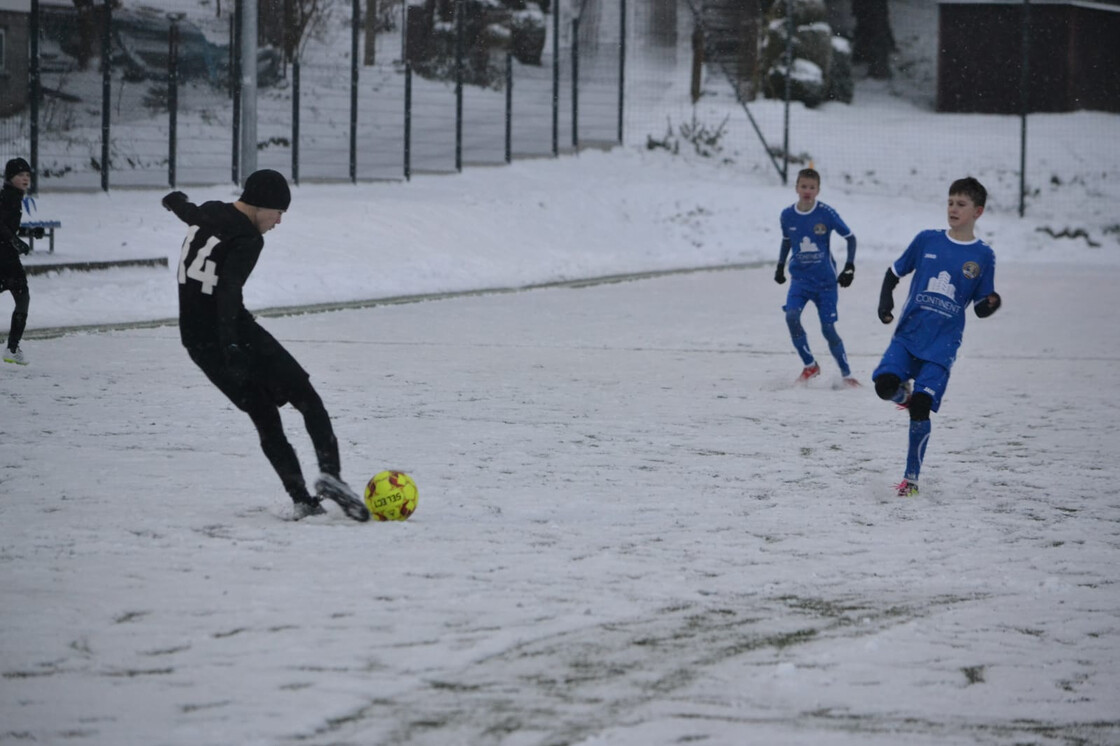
x,y
916,452
800,339
836,347
802,345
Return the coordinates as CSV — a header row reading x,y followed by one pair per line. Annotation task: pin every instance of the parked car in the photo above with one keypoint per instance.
x,y
141,44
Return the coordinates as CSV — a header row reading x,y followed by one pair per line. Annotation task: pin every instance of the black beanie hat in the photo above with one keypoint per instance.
x,y
268,189
16,166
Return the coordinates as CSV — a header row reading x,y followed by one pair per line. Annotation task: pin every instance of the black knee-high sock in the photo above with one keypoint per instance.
x,y
19,323
319,428
279,451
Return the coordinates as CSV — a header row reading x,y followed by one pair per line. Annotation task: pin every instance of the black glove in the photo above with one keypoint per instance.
x,y
886,298
845,278
174,199
987,306
780,274
237,362
20,245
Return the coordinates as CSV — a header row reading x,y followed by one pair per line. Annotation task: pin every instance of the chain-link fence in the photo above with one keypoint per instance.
x,y
125,96
153,98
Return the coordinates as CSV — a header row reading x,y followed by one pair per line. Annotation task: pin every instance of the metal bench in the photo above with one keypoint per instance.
x,y
48,226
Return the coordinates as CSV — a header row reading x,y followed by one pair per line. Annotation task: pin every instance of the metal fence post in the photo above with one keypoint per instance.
x,y
248,69
355,22
172,94
106,92
460,20
621,66
35,79
509,106
295,121
789,74
575,83
1024,103
407,120
235,87
555,77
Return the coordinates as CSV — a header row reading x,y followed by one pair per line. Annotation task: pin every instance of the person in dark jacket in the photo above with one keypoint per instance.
x,y
247,364
17,180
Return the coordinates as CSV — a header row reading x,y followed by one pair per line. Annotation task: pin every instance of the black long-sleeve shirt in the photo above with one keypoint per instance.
x,y
219,253
11,211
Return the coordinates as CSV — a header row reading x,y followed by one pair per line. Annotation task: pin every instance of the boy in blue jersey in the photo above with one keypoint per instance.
x,y
806,231
951,269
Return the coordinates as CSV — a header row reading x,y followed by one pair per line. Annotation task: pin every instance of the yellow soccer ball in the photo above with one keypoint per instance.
x,y
391,496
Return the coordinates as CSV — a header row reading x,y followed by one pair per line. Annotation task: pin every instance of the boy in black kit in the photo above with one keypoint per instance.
x,y
17,180
243,360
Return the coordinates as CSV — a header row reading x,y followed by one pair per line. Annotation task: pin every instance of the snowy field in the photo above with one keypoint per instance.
x,y
632,530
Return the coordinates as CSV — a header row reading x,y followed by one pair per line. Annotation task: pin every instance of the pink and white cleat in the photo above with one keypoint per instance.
x,y
908,488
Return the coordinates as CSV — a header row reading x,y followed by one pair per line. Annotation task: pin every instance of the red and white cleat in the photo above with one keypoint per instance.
x,y
810,371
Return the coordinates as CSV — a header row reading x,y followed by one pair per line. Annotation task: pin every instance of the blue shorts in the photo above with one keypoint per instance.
x,y
826,298
929,378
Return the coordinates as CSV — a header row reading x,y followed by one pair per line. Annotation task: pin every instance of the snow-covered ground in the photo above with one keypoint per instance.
x,y
539,221
633,530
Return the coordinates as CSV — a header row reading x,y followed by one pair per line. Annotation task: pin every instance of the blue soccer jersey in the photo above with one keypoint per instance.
x,y
948,276
809,235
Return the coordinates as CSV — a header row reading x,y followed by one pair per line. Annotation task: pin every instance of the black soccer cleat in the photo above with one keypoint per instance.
x,y
334,489
306,509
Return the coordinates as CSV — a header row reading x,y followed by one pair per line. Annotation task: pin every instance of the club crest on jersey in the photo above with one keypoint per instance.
x,y
971,270
820,229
